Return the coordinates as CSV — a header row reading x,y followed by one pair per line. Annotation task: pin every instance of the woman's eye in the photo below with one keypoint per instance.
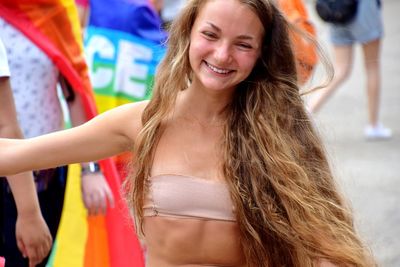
x,y
210,35
245,46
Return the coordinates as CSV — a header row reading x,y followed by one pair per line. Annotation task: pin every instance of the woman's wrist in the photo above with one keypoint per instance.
x,y
90,168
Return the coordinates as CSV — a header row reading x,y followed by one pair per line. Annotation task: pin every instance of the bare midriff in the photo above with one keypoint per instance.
x,y
184,242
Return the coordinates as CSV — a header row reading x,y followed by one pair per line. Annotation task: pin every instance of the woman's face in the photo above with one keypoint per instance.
x,y
225,43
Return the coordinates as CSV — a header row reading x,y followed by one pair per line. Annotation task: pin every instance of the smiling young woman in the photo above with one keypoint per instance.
x,y
223,52
228,170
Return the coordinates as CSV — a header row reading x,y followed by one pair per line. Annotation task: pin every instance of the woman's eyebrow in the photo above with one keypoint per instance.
x,y
242,37
215,27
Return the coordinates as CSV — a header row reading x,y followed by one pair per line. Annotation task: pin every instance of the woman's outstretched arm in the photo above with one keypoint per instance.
x,y
108,134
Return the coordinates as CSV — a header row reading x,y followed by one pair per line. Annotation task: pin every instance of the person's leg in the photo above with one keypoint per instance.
x,y
371,52
343,55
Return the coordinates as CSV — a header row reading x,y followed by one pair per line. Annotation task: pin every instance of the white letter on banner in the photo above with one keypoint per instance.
x,y
97,44
127,68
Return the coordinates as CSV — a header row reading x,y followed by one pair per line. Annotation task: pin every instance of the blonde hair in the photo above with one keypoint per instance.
x,y
288,208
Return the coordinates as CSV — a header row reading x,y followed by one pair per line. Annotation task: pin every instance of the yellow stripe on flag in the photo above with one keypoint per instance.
x,y
73,230
105,103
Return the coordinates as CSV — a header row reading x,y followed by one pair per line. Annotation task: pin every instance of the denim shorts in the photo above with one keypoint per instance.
x,y
366,26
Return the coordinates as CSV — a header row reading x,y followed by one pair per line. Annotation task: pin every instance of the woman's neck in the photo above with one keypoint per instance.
x,y
204,107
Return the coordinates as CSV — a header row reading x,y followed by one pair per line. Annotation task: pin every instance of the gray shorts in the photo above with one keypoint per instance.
x,y
366,26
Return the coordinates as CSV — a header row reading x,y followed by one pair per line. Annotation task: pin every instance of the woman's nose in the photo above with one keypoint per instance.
x,y
222,53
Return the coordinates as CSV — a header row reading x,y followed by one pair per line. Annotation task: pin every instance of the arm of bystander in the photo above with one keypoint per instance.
x,y
32,234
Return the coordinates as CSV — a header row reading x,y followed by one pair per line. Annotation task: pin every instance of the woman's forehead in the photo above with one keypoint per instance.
x,y
230,15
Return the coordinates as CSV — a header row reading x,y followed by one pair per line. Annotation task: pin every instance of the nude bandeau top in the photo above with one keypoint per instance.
x,y
188,197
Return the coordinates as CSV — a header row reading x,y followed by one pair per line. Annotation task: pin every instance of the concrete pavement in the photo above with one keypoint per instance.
x,y
368,172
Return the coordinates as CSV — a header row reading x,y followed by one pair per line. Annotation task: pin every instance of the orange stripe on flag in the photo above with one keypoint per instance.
x,y
96,253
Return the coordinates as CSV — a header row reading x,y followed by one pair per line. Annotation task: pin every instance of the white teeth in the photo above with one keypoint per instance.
x,y
217,70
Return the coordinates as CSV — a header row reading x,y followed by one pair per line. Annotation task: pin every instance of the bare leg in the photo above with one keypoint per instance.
x,y
343,64
371,52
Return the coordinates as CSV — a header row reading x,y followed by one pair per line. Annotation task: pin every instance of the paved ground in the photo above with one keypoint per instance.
x,y
369,172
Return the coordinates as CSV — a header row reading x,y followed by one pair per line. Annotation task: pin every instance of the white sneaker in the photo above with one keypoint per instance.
x,y
377,133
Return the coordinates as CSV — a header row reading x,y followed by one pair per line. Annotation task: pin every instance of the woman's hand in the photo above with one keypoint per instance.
x,y
33,236
96,193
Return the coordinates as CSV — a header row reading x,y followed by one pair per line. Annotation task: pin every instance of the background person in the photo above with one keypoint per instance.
x,y
366,29
29,233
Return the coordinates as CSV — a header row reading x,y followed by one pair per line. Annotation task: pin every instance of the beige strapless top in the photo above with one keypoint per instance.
x,y
188,197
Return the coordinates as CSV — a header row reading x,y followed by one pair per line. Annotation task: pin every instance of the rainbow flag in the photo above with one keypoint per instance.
x,y
82,241
122,66
123,49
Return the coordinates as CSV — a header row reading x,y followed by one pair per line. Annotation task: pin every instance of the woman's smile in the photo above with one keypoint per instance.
x,y
217,70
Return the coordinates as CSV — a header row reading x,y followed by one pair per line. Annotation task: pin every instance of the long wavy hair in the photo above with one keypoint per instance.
x,y
288,208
